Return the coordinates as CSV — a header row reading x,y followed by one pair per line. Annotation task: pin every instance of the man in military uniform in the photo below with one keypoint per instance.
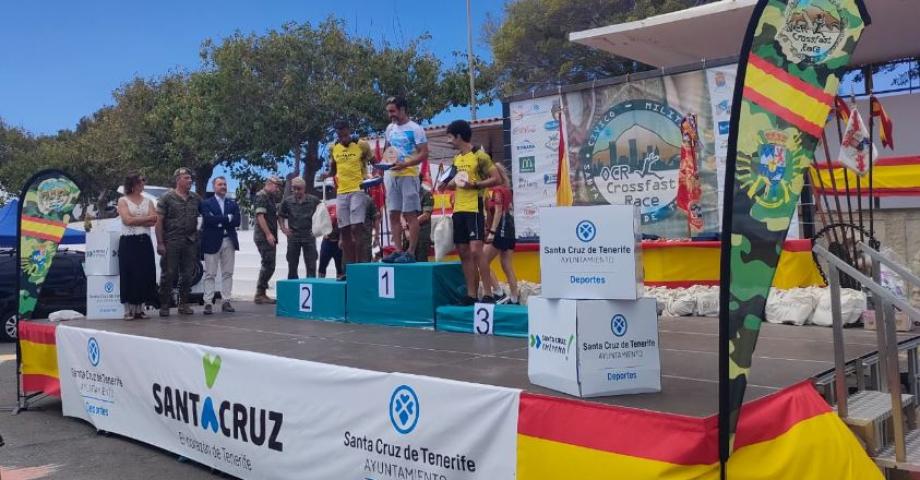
x,y
266,235
296,218
366,247
177,240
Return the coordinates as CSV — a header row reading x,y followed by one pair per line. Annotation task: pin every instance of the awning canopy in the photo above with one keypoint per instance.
x,y
716,31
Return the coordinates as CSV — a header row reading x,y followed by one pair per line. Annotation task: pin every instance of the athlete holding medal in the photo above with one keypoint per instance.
x,y
407,147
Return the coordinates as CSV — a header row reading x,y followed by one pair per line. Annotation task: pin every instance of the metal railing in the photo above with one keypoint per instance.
x,y
885,304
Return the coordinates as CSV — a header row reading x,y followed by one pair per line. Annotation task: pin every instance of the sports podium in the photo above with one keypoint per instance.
x,y
420,295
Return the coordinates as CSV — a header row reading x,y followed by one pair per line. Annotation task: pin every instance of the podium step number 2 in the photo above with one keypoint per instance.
x,y
306,297
483,318
386,282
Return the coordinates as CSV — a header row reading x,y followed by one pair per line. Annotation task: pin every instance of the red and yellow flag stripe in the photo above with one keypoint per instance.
x,y
891,177
43,228
786,96
792,434
39,358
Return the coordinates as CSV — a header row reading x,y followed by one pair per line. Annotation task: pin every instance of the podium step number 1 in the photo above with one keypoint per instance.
x,y
483,318
386,282
306,297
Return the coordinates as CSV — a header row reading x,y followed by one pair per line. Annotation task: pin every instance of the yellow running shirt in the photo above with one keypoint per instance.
x,y
350,165
477,166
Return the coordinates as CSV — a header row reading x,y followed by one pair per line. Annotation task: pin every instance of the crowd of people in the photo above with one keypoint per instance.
x,y
188,227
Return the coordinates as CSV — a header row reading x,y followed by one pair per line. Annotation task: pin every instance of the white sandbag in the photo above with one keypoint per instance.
x,y
526,290
662,296
888,278
794,306
852,306
63,315
682,304
322,221
442,234
707,302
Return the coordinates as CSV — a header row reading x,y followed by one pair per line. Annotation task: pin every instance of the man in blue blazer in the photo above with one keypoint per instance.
x,y
219,243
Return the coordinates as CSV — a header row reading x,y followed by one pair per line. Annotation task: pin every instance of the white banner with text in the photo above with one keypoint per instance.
x,y
260,416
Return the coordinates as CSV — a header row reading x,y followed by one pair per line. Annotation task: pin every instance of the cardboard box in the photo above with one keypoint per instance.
x,y
902,321
591,253
103,297
592,348
101,253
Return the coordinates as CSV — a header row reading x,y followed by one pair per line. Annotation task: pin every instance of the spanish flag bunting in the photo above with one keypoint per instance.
x,y
39,358
886,131
43,228
843,110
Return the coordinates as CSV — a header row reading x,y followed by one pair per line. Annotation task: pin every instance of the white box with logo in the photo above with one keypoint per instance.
x,y
101,252
592,348
591,252
103,297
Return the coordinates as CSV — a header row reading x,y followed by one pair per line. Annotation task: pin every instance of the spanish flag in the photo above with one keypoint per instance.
x,y
778,437
886,131
564,196
39,358
843,110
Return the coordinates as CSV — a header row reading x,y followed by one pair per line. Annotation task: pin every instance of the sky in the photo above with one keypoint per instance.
x,y
61,60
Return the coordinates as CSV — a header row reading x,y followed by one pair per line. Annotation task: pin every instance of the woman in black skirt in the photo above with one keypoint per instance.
x,y
135,249
500,236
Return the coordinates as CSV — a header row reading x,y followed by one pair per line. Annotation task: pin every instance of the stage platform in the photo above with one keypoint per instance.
x,y
785,355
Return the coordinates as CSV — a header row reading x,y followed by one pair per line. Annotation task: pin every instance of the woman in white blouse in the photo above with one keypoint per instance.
x,y
135,249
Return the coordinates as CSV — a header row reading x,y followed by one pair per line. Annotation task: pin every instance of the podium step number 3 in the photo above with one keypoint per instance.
x,y
386,282
306,298
483,318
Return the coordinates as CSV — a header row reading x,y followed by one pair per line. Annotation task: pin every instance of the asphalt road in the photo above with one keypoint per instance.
x,y
41,444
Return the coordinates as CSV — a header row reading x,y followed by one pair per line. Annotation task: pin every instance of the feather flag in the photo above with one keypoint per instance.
x,y
564,196
854,148
789,71
688,185
886,131
842,109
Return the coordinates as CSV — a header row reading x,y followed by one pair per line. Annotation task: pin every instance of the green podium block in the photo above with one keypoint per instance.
x,y
311,299
509,320
403,295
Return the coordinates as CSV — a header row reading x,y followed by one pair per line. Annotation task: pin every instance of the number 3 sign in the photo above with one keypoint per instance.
x,y
483,318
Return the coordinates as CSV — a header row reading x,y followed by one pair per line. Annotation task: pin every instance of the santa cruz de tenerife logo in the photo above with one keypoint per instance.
x,y
811,30
632,157
404,409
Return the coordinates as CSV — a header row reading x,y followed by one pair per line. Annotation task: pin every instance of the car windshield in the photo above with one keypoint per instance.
x,y
156,191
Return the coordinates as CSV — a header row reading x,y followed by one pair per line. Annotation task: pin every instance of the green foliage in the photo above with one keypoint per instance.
x,y
531,47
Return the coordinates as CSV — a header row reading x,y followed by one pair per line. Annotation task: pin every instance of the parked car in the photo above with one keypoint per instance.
x,y
64,289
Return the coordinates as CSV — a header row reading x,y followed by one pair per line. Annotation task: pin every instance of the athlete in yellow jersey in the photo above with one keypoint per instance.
x,y
349,164
475,172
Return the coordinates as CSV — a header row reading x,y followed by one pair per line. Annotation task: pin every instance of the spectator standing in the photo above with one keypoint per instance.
x,y
177,240
219,243
329,248
136,260
266,235
296,219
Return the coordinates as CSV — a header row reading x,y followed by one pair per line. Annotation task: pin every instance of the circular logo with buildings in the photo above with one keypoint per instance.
x,y
632,157
812,30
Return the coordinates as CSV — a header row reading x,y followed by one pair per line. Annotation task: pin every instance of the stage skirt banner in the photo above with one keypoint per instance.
x,y
259,416
790,435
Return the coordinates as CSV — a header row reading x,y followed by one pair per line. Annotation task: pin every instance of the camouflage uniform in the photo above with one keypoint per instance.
x,y
299,217
424,229
265,204
180,233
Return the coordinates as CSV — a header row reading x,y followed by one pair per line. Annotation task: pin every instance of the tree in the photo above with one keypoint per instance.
x,y
301,78
531,47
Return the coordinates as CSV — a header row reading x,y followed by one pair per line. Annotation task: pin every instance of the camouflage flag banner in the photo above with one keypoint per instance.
x,y
788,74
47,202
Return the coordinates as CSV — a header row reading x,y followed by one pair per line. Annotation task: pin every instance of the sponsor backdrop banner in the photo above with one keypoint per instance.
x,y
259,416
624,147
